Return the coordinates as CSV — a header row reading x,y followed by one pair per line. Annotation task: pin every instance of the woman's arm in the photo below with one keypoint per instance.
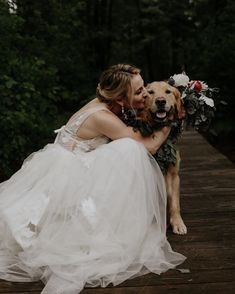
x,y
153,143
112,127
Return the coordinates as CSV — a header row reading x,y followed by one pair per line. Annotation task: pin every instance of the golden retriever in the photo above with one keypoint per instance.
x,y
165,104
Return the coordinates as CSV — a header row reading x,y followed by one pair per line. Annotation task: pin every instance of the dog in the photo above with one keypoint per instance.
x,y
165,105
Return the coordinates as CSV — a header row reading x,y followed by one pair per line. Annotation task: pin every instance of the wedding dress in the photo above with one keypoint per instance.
x,y
84,213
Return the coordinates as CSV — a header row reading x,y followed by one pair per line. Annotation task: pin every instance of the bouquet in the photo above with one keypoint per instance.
x,y
197,99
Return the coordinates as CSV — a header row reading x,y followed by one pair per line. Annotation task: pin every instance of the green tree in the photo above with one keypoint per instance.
x,y
52,52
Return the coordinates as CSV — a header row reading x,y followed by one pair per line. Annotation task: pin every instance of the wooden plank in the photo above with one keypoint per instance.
x,y
175,277
215,288
7,287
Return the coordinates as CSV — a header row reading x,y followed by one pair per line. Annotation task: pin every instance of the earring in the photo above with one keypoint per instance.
x,y
124,114
123,111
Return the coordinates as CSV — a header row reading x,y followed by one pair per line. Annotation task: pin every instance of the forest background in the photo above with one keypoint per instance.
x,y
53,51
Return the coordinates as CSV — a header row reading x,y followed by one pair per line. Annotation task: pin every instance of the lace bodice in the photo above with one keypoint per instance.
x,y
67,134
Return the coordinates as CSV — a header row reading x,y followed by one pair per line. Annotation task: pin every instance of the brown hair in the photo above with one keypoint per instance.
x,y
115,82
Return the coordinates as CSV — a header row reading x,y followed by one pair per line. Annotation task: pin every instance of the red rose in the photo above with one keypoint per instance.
x,y
197,86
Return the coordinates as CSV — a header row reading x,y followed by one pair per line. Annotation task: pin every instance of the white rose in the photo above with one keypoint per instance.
x,y
181,80
207,100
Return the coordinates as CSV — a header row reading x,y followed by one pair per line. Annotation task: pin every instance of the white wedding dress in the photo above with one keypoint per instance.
x,y
84,213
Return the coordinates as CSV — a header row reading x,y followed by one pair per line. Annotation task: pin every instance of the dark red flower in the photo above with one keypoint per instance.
x,y
197,86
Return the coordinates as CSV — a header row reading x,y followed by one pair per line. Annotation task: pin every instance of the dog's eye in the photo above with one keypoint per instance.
x,y
150,91
168,91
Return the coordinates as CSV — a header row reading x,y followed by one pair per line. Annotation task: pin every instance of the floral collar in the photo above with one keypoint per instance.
x,y
166,154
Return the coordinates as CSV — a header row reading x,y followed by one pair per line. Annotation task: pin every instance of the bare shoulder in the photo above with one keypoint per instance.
x,y
92,104
104,114
106,118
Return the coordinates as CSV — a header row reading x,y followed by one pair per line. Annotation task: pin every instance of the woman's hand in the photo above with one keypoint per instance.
x,y
154,142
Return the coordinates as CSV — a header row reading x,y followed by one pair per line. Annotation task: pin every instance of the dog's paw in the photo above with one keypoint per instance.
x,y
178,226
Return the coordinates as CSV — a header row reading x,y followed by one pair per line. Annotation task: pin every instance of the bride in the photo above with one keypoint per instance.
x,y
90,209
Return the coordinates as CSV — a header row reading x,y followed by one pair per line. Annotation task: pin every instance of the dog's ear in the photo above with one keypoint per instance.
x,y
144,115
179,104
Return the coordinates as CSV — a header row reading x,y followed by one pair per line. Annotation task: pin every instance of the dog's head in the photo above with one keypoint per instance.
x,y
165,102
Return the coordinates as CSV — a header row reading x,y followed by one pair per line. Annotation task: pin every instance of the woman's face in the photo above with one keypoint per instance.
x,y
138,94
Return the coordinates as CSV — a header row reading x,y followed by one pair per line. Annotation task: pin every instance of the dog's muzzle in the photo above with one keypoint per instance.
x,y
161,112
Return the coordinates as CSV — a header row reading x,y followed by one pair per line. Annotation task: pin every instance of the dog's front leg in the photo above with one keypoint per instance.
x,y
173,198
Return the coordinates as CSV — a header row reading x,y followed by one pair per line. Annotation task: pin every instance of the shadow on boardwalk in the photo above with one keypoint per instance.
x,y
208,206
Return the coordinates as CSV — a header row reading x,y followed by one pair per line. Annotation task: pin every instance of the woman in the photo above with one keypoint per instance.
x,y
84,212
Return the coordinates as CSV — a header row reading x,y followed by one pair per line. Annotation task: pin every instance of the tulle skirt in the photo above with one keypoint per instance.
x,y
85,219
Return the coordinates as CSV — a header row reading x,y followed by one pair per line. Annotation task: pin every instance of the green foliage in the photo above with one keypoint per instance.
x,y
216,61
28,108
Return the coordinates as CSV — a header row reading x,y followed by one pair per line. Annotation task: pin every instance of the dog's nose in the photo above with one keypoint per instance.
x,y
160,101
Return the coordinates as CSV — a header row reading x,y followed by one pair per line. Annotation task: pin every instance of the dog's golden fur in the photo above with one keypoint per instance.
x,y
161,93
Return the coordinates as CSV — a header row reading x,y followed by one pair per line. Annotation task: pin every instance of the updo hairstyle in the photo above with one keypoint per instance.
x,y
115,83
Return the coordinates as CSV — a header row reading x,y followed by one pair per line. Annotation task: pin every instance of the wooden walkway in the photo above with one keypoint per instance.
x,y
208,206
